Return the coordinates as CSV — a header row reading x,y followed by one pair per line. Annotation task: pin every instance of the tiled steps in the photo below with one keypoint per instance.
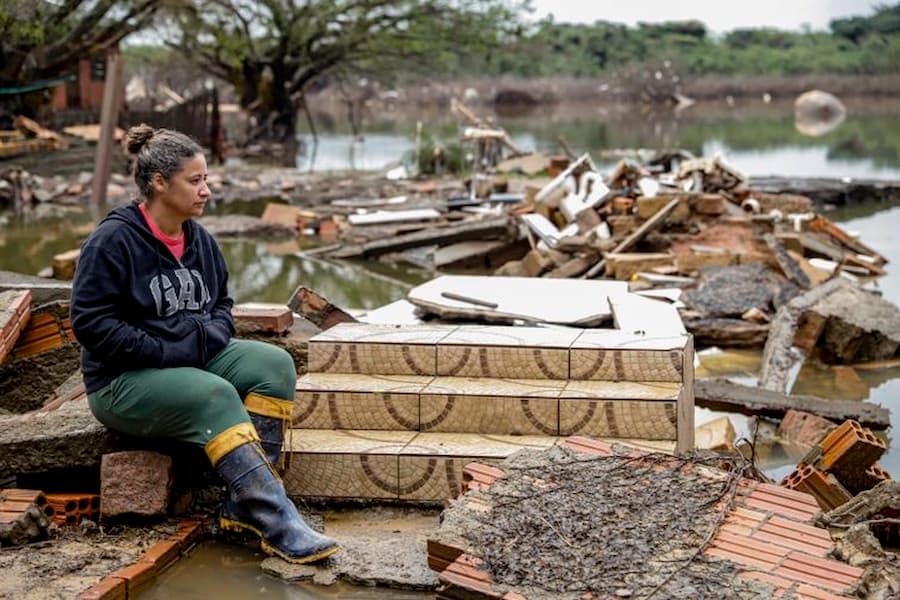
x,y
406,466
395,413
627,409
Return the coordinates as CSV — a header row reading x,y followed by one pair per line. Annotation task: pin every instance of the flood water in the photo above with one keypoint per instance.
x,y
758,139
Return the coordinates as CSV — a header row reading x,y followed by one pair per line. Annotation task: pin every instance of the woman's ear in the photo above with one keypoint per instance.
x,y
159,182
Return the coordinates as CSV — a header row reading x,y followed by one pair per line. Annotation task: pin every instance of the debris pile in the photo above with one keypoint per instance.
x,y
593,520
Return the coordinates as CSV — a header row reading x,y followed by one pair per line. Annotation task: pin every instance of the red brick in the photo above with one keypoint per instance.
x,y
803,428
820,572
824,488
137,577
779,582
587,445
254,318
162,554
110,588
805,592
188,533
850,449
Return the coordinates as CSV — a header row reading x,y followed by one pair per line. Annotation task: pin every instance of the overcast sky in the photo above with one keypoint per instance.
x,y
719,16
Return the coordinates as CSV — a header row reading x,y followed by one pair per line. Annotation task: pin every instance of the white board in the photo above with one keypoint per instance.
x,y
533,300
394,216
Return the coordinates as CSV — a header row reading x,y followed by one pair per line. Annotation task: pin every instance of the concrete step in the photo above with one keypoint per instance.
x,y
617,409
498,351
405,466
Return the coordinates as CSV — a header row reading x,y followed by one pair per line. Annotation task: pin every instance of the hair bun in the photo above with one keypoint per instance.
x,y
137,136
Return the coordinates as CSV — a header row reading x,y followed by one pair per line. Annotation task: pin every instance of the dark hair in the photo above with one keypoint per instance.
x,y
157,151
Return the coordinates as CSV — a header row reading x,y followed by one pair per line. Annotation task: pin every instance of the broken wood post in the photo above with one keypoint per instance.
x,y
722,395
649,225
109,114
317,309
779,356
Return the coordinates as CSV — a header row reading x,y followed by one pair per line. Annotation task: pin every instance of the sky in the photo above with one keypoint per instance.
x,y
719,16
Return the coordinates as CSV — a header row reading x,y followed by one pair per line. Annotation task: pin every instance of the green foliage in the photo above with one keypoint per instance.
x,y
859,45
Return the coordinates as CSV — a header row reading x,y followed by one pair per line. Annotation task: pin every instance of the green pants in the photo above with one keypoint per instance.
x,y
193,404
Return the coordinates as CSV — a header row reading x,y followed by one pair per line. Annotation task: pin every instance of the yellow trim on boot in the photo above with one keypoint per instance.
x,y
228,440
272,550
268,406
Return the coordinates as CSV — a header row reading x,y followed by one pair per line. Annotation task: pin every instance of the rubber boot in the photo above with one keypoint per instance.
x,y
271,417
257,502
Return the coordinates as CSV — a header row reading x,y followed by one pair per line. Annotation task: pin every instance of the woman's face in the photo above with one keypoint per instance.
x,y
186,193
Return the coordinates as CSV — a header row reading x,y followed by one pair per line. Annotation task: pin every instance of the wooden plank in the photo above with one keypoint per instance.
x,y
719,394
479,230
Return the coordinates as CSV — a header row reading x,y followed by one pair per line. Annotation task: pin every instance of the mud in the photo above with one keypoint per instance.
x,y
72,560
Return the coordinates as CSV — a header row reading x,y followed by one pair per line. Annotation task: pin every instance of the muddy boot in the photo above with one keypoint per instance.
x,y
256,500
272,418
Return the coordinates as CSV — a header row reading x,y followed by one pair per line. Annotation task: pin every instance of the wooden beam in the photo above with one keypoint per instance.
x,y
722,395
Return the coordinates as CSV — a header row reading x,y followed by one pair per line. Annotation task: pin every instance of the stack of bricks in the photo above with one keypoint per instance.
x,y
70,509
842,465
15,312
24,516
45,331
260,317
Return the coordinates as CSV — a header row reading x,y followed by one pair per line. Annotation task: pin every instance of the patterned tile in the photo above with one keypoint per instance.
x,y
618,418
356,410
494,414
322,475
500,335
620,390
615,339
371,358
520,362
384,334
347,382
622,365
473,445
430,479
348,442
523,388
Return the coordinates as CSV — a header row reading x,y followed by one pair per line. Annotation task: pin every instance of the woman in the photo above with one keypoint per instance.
x,y
151,310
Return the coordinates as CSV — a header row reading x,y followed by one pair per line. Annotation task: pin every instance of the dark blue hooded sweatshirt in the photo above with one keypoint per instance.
x,y
135,307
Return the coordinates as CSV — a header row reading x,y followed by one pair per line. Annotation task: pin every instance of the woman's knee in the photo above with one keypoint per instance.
x,y
276,370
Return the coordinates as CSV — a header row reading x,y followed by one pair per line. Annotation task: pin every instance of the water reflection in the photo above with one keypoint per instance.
x,y
866,144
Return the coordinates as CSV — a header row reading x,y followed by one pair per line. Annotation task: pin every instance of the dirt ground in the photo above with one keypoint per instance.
x,y
73,559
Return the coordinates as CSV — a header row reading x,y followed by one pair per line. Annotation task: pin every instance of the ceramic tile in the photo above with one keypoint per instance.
x,y
519,388
500,335
350,382
615,339
627,419
348,442
621,390
620,365
323,475
430,479
356,410
474,445
517,362
488,414
371,358
364,333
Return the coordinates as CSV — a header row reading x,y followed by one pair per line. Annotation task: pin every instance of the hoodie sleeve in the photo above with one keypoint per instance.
x,y
96,294
220,328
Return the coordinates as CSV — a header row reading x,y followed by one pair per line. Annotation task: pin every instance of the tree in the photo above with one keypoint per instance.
x,y
275,51
41,39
